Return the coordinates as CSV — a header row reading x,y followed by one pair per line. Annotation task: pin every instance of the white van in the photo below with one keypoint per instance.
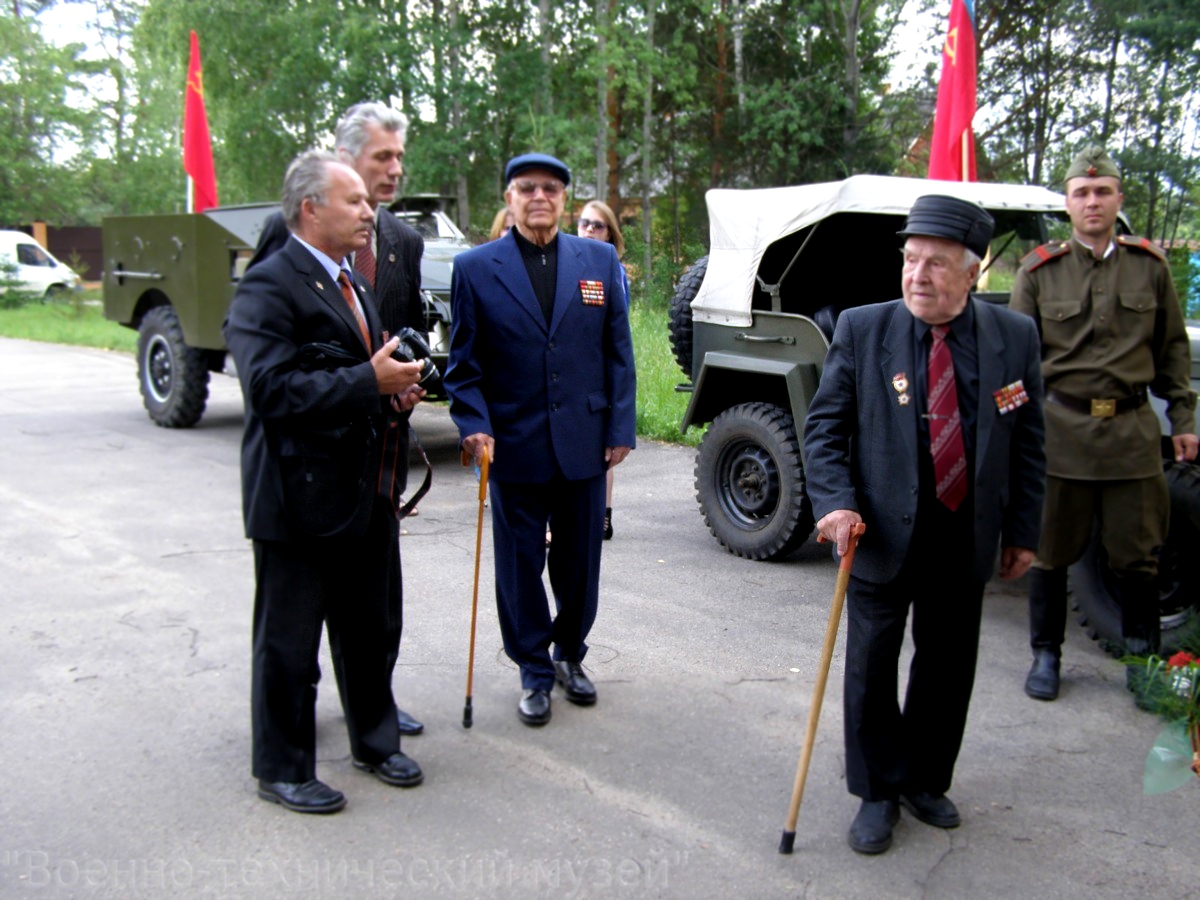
x,y
37,271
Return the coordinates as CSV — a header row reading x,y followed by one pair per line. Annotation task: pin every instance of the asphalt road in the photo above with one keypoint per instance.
x,y
124,715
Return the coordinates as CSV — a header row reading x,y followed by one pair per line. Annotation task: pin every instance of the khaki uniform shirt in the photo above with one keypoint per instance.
x,y
1110,327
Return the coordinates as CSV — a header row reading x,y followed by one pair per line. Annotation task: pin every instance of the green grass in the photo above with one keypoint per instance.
x,y
78,320
660,408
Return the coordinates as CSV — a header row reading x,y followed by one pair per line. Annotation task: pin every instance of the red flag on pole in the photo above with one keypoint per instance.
x,y
197,146
952,150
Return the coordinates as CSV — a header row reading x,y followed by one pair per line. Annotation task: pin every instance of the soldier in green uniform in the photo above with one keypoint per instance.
x,y
1111,329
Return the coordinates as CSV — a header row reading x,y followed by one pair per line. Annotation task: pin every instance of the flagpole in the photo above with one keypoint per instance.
x,y
190,191
966,176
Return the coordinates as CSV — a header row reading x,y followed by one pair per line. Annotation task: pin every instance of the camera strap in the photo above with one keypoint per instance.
x,y
412,502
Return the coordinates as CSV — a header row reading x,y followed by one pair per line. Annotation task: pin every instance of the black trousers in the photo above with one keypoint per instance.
x,y
892,749
520,515
353,587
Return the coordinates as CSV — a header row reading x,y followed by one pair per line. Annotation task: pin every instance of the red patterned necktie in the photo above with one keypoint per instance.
x,y
945,424
364,263
348,294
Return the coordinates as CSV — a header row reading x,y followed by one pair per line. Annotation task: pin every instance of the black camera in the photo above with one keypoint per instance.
x,y
414,348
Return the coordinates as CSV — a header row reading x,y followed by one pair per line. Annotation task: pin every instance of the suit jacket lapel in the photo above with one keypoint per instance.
x,y
991,376
565,288
313,274
896,360
511,273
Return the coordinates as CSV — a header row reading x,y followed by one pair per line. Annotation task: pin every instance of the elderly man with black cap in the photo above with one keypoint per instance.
x,y
1111,328
927,427
541,376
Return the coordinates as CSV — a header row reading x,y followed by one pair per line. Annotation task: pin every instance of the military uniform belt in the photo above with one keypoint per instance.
x,y
1097,407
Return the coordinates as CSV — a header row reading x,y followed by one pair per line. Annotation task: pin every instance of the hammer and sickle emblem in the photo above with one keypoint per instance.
x,y
950,48
197,84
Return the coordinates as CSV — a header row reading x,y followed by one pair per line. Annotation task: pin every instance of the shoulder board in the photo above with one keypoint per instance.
x,y
1043,254
1141,243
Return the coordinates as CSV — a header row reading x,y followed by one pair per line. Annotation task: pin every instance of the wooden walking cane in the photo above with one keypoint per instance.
x,y
788,840
483,482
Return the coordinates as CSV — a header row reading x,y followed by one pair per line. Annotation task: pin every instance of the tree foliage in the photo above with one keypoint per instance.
x,y
717,93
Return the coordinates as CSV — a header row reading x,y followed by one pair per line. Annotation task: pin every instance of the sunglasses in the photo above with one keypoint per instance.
x,y
529,188
592,225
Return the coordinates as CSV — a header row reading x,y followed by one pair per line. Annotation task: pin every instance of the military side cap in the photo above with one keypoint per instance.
x,y
1092,162
527,161
936,215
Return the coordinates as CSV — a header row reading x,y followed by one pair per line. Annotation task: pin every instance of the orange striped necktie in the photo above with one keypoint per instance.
x,y
352,302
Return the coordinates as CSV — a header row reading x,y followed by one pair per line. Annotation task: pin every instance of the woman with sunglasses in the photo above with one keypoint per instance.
x,y
599,223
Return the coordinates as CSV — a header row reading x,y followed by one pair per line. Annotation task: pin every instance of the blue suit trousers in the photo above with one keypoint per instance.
x,y
521,513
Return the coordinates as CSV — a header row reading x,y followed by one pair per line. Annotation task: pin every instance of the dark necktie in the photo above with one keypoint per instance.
x,y
364,263
348,294
945,424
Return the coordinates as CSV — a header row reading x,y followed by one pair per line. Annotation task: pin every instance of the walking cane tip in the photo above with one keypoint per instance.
x,y
788,842
467,715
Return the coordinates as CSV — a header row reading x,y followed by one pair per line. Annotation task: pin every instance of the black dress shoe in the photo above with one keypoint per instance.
x,y
534,708
940,812
408,725
303,796
871,830
578,687
397,770
1042,682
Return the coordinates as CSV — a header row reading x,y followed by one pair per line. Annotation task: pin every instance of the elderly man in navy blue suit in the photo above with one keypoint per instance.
x,y
927,426
541,376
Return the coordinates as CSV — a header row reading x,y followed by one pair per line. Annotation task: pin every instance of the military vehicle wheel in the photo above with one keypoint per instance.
x,y
750,482
1094,588
679,316
172,376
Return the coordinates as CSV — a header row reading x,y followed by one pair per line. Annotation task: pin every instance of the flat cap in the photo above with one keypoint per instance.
x,y
523,163
936,215
1092,162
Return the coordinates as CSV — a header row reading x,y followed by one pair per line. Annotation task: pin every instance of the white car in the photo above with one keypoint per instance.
x,y
34,269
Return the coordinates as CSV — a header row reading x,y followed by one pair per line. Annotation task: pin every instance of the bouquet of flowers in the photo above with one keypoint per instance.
x,y
1171,688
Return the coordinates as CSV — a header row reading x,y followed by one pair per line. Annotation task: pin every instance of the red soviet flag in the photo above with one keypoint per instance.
x,y
197,146
956,99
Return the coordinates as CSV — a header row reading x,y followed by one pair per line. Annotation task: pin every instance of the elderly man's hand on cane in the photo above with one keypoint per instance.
x,y
474,445
836,528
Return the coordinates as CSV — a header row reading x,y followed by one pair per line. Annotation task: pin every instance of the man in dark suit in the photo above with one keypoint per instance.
x,y
370,139
318,487
541,375
927,426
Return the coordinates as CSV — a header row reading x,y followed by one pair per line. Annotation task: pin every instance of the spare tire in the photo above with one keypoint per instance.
x,y
679,317
1093,585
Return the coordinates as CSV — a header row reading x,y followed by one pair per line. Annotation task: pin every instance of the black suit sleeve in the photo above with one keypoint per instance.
x,y
1027,465
413,250
830,427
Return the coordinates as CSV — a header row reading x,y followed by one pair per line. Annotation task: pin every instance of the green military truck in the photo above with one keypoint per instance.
x,y
171,278
750,323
